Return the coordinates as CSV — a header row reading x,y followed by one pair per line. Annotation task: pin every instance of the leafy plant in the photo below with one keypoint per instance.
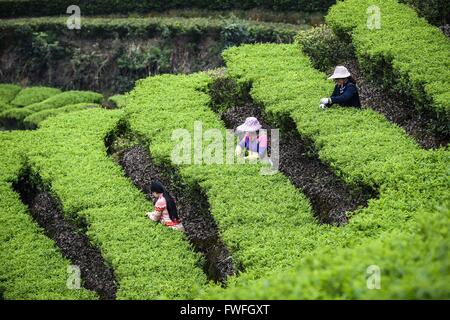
x,y
144,61
69,153
363,146
36,118
45,50
406,54
32,95
8,92
435,11
324,47
118,100
87,65
54,102
30,265
262,219
235,33
268,225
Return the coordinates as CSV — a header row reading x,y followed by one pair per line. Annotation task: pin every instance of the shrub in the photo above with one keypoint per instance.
x,y
144,61
54,102
413,264
45,48
36,118
277,229
406,55
235,33
5,106
360,145
14,115
31,267
324,47
285,83
33,95
437,12
70,155
45,29
8,92
118,100
264,220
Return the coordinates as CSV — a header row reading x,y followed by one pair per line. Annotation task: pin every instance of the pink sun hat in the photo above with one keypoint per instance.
x,y
251,124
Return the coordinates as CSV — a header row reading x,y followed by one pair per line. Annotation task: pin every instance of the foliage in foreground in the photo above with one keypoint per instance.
x,y
69,153
31,267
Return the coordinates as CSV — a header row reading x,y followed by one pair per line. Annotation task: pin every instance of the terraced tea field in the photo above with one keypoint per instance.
x,y
352,191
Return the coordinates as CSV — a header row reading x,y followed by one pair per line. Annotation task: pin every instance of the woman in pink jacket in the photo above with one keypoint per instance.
x,y
165,208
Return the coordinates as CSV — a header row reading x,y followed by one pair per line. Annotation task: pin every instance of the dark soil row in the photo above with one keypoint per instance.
x,y
330,197
397,109
133,156
45,209
14,124
445,29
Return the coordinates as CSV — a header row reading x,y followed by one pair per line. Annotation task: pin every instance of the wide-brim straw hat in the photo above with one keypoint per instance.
x,y
340,72
251,124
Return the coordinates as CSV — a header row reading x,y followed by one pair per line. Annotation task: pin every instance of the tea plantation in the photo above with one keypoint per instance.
x,y
59,141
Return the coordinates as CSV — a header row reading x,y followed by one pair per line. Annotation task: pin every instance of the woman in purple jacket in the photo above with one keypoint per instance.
x,y
254,142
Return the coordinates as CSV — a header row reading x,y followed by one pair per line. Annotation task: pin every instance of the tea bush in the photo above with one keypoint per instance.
x,y
118,100
54,102
150,261
8,92
359,145
412,264
324,47
276,244
164,27
36,118
33,95
405,54
264,220
31,267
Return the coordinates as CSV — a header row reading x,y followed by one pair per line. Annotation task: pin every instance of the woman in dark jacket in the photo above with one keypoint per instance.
x,y
345,92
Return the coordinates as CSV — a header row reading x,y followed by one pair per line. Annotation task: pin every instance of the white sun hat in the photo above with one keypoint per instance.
x,y
340,72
